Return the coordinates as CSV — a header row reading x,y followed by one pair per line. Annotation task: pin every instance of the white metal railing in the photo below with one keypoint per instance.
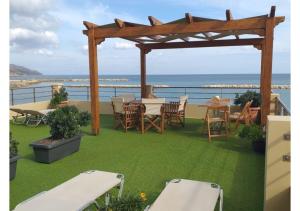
x,y
280,108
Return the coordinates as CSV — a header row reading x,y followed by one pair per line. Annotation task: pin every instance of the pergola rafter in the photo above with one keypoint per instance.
x,y
193,32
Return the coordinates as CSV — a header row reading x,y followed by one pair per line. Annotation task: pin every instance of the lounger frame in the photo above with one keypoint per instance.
x,y
217,186
84,206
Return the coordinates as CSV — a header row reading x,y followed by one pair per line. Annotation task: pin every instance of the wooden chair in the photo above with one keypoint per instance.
x,y
118,112
131,116
125,115
243,116
216,120
127,97
175,111
152,114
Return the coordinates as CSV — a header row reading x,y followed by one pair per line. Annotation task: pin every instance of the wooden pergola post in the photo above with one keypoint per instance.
x,y
94,86
143,53
266,70
143,72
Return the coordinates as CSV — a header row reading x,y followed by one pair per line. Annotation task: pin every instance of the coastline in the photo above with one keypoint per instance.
x,y
14,84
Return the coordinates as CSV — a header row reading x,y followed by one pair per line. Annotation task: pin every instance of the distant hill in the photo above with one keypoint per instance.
x,y
16,70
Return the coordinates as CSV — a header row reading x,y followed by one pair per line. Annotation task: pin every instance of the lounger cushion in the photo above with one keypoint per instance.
x,y
187,195
74,194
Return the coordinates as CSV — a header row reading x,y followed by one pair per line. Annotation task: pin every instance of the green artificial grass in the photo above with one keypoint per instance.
x,y
147,161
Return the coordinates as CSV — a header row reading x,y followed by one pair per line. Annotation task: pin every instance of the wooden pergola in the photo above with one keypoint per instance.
x,y
187,32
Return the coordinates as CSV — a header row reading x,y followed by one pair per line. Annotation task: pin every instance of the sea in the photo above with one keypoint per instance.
x,y
188,80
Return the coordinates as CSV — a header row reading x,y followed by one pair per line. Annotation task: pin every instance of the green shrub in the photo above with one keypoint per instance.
x,y
13,146
65,122
247,96
58,97
84,118
252,132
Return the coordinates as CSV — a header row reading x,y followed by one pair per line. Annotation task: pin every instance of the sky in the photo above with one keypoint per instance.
x,y
46,35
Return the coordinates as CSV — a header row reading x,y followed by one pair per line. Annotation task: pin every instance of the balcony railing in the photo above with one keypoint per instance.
x,y
82,92
280,108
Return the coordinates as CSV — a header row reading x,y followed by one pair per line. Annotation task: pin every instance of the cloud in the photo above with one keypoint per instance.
x,y
32,26
43,52
123,45
23,39
30,7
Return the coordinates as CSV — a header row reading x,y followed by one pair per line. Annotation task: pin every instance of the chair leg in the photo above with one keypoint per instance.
x,y
162,121
142,124
237,124
208,131
226,128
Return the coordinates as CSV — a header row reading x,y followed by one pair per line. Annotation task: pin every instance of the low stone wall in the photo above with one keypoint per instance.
x,y
192,110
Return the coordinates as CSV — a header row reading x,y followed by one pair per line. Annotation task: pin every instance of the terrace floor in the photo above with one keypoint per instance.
x,y
147,161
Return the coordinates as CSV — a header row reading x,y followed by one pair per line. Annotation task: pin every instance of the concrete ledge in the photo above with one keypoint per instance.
x,y
192,110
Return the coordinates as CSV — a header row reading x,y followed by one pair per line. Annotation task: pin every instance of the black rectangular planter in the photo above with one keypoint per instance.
x,y
13,167
47,153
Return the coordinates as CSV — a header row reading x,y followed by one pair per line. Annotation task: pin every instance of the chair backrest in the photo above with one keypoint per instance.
x,y
217,111
182,102
246,108
215,99
153,106
117,103
127,97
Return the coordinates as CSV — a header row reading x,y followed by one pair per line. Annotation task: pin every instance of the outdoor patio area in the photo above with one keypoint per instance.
x,y
147,161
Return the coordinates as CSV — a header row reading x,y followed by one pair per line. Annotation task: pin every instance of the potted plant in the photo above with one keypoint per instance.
x,y
59,98
65,133
256,134
13,157
242,99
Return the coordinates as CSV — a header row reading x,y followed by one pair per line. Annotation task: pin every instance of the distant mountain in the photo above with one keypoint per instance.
x,y
16,70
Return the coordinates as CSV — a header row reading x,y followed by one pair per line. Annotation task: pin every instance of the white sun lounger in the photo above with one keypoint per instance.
x,y
35,117
188,195
75,194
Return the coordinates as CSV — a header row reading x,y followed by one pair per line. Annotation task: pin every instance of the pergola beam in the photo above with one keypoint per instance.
x,y
122,24
197,44
230,18
155,22
181,28
190,19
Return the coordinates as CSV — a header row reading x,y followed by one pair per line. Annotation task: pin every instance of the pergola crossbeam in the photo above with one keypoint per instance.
x,y
155,22
230,18
122,24
197,44
190,19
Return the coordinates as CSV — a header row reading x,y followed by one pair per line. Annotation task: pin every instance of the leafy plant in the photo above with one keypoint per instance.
x,y
252,132
126,203
247,96
58,97
13,146
65,122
